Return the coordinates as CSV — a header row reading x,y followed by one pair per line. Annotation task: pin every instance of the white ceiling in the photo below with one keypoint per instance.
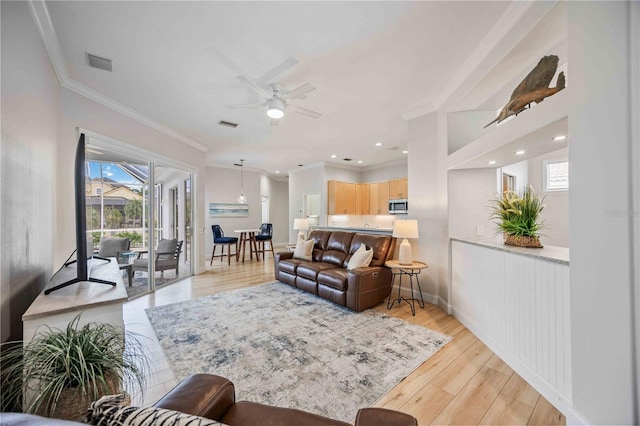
x,y
369,62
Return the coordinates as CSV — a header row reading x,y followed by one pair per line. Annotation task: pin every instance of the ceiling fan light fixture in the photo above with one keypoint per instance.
x,y
275,108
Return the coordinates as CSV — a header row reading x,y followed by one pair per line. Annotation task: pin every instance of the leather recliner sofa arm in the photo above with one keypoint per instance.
x,y
204,395
368,286
382,416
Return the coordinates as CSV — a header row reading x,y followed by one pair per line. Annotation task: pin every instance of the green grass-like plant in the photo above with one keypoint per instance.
x,y
518,215
91,360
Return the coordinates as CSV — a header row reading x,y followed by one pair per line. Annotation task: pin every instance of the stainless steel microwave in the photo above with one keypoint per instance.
x,y
399,206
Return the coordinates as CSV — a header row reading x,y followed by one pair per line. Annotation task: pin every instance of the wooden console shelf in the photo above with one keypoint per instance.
x,y
97,302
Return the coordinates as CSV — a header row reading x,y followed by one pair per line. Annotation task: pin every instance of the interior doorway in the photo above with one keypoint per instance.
x,y
311,209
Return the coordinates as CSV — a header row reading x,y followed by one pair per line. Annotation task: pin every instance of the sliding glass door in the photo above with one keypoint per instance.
x,y
147,204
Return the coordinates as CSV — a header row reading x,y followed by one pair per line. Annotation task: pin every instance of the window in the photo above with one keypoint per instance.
x,y
556,175
99,191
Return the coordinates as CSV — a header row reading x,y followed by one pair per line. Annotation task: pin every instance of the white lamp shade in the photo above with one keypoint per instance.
x,y
300,224
405,228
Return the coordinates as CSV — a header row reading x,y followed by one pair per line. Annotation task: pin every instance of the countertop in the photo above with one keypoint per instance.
x,y
551,253
384,231
82,295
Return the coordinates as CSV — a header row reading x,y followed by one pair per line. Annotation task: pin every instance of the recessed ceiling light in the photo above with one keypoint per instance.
x,y
492,162
378,143
522,151
560,138
277,171
405,152
333,156
359,161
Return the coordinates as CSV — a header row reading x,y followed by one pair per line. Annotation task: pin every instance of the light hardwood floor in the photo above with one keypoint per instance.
x,y
463,383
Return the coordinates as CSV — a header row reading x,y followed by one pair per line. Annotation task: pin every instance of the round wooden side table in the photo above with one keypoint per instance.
x,y
412,270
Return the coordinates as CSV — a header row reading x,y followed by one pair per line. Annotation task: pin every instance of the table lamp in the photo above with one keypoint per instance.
x,y
301,225
405,229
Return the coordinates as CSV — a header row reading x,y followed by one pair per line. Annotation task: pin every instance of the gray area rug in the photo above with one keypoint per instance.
x,y
285,347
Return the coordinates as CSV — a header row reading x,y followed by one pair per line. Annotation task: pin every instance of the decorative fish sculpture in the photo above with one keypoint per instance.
x,y
534,88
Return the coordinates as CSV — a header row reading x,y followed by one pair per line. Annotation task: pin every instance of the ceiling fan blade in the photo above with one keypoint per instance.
x,y
305,111
254,86
258,105
280,69
298,92
225,61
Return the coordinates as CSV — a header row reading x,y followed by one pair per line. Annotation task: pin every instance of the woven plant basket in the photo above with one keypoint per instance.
x,y
522,241
73,404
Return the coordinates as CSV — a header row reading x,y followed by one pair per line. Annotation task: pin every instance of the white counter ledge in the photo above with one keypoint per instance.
x,y
370,230
550,253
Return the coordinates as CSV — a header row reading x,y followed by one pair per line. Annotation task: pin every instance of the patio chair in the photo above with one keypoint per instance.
x,y
113,247
167,257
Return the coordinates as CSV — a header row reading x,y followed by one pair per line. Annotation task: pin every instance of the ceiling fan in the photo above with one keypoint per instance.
x,y
274,98
277,100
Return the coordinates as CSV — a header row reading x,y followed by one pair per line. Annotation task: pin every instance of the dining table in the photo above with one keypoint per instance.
x,y
247,235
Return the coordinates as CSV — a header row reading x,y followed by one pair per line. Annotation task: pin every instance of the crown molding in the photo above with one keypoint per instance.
x,y
42,19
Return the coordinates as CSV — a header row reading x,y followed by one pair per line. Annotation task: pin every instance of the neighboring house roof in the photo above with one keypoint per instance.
x,y
123,192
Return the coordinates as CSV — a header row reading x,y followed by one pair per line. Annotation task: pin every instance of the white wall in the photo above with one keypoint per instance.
x,y
30,98
386,172
521,172
223,186
470,192
341,174
427,176
556,203
601,259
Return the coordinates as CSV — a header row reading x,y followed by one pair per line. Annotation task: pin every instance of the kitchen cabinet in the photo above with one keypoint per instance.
x,y
362,198
341,197
398,188
379,198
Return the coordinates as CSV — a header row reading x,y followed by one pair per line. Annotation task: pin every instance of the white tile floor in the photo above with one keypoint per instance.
x,y
160,379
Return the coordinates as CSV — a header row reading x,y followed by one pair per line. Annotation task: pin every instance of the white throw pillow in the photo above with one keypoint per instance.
x,y
360,258
304,249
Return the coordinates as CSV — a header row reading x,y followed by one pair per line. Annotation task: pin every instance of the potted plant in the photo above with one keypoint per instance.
x,y
60,372
518,217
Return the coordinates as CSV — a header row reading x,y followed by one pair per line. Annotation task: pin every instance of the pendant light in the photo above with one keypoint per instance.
x,y
241,199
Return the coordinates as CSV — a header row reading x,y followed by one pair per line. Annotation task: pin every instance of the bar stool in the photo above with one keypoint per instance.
x,y
220,240
265,236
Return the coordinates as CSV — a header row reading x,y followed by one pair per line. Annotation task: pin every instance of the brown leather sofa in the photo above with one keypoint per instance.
x,y
213,397
326,275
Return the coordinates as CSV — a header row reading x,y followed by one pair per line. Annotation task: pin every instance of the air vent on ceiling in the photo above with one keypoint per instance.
x,y
98,62
228,124
348,159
